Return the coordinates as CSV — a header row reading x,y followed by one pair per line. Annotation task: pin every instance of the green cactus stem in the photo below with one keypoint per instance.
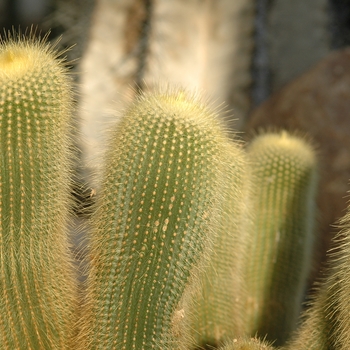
x,y
37,289
218,306
154,213
285,175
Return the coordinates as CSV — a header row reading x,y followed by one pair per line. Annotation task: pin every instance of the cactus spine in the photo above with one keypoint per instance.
x,y
36,285
218,305
284,172
152,223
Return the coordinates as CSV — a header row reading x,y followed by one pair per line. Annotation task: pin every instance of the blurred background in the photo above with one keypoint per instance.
x,y
270,63
325,22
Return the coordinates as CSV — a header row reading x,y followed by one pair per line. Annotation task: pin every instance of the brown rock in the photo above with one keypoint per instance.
x,y
318,104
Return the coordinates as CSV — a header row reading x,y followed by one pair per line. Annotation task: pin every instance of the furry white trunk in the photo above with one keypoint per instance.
x,y
203,46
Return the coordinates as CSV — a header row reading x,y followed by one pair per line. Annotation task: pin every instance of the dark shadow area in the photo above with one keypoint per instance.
x,y
339,23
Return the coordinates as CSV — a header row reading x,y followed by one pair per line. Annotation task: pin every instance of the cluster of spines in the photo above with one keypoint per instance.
x,y
284,174
154,213
37,282
247,344
218,306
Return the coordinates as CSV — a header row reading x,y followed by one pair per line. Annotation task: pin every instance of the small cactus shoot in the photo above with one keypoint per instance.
x,y
247,344
284,174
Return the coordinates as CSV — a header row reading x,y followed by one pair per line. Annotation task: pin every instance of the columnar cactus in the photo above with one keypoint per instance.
x,y
284,174
154,215
192,241
218,306
37,288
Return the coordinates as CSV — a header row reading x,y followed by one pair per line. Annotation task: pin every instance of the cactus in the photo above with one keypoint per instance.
x,y
218,305
285,176
173,236
152,223
37,288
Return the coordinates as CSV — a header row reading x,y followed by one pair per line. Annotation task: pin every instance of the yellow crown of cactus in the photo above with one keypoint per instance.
x,y
37,292
154,213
